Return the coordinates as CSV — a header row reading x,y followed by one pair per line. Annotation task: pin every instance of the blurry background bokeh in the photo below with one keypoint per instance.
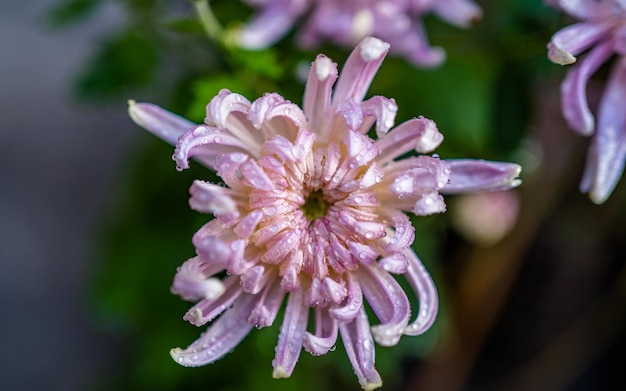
x,y
94,216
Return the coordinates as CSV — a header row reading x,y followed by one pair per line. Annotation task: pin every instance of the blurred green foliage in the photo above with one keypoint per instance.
x,y
479,99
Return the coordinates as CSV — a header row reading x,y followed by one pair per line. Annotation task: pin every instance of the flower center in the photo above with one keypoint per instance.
x,y
315,205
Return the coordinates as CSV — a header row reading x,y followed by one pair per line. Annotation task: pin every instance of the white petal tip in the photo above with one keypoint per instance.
x,y
324,67
280,373
373,49
372,385
560,56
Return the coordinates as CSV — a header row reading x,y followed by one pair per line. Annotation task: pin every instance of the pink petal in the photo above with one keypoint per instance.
x,y
255,279
413,44
221,337
192,281
360,69
274,115
218,200
359,346
206,310
403,232
354,301
325,336
420,134
317,93
426,291
264,314
162,123
610,137
246,227
573,89
228,112
291,335
254,176
462,13
382,110
574,39
467,175
206,144
590,9
271,24
388,301
228,168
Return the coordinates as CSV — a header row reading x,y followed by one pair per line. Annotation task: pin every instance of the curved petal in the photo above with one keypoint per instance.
x,y
569,42
218,200
420,134
274,115
359,70
221,337
467,175
426,292
160,122
574,89
589,9
403,232
359,346
193,280
208,309
388,301
381,109
610,137
206,143
325,336
354,301
291,335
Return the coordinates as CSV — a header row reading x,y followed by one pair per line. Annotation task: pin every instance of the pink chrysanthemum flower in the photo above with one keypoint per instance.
x,y
347,22
601,34
312,211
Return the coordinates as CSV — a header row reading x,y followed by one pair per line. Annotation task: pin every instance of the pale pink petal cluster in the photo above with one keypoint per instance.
x,y
312,211
599,36
347,22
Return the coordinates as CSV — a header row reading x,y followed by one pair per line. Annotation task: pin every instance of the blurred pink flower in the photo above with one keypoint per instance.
x,y
485,218
312,211
601,34
348,22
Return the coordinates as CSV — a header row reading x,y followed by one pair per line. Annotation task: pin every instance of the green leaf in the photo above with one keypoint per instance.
x,y
124,62
206,88
184,25
263,62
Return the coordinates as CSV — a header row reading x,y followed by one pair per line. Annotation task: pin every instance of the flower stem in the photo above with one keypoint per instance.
x,y
211,25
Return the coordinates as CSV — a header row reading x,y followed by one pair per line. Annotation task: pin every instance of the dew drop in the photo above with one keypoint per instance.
x,y
332,348
369,235
181,359
218,139
358,199
270,211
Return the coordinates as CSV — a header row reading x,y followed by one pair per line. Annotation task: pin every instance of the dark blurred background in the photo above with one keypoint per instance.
x,y
95,219
60,179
